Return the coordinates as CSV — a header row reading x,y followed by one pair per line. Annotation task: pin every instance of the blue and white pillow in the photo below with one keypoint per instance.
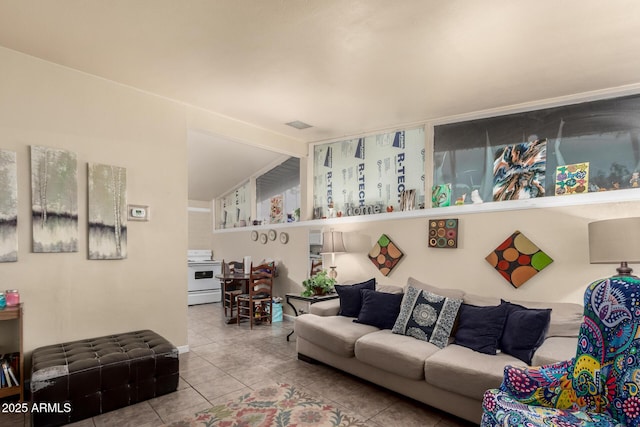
x,y
427,316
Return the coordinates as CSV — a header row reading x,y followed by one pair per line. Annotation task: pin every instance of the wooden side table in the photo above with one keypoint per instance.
x,y
310,300
15,313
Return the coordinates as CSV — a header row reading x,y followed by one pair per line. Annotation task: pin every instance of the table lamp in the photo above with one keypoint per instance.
x,y
331,244
615,241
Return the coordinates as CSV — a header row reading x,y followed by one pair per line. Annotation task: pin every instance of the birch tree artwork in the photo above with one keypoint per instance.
x,y
54,199
107,215
8,207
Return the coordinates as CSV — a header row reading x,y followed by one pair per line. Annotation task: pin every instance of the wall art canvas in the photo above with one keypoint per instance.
x,y
276,214
443,233
572,179
441,196
107,186
8,207
385,255
54,199
518,259
518,171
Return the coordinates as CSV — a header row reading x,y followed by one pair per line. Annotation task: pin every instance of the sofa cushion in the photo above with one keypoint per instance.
x,y
325,308
394,353
445,292
566,318
461,370
350,298
379,309
555,349
524,331
427,316
337,334
480,328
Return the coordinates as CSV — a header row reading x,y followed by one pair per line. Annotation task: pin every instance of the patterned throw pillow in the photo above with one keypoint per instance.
x,y
427,316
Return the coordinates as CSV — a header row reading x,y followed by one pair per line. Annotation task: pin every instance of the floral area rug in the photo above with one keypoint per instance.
x,y
281,405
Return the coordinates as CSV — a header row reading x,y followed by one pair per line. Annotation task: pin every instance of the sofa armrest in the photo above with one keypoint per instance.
x,y
325,308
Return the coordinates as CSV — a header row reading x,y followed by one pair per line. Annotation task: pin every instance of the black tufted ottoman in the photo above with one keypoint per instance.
x,y
98,375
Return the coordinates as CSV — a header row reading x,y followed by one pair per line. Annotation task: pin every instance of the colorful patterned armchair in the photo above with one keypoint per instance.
x,y
599,387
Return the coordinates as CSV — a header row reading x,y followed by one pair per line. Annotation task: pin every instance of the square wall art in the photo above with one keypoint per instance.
x,y
443,233
385,255
518,171
518,259
572,179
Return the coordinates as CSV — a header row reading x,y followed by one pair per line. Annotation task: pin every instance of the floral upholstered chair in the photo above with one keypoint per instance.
x,y
599,387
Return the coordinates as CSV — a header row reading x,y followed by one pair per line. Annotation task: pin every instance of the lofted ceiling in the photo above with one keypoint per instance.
x,y
343,66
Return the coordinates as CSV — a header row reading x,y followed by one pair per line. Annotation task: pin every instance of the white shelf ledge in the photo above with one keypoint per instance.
x,y
615,196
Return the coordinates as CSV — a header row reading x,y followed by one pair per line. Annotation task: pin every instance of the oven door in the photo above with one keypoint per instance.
x,y
202,277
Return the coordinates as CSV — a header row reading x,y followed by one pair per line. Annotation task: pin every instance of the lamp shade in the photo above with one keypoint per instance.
x,y
613,241
332,242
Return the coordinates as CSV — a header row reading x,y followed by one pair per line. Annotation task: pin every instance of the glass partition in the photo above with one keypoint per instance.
x,y
368,175
573,149
234,209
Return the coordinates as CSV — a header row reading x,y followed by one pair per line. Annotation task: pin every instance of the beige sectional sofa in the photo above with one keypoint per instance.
x,y
452,379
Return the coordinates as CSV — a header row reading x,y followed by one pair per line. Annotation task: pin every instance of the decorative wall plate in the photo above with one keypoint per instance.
x,y
272,234
254,235
263,238
284,238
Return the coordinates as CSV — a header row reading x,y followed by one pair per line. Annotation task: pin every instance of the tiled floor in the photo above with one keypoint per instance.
x,y
227,360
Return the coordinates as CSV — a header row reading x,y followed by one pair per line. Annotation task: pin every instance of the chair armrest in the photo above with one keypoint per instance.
x,y
325,308
528,384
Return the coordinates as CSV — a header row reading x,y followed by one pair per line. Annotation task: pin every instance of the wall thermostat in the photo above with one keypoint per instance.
x,y
138,213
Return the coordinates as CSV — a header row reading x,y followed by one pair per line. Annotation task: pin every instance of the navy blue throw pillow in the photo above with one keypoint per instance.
x,y
524,331
379,309
480,328
350,299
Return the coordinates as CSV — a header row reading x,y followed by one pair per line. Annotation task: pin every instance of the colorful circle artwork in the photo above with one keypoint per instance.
x,y
443,233
518,259
385,255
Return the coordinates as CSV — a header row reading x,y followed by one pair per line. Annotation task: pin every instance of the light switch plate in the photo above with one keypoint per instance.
x,y
138,213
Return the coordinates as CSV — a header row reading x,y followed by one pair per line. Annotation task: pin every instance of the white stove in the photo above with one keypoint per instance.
x,y
203,287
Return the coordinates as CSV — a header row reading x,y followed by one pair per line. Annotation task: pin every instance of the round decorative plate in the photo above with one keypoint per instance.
x,y
263,238
254,235
284,238
272,234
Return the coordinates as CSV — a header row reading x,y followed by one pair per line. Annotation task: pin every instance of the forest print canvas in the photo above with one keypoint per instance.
x,y
107,212
54,199
8,207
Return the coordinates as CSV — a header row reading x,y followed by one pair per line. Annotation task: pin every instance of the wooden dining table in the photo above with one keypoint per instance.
x,y
238,277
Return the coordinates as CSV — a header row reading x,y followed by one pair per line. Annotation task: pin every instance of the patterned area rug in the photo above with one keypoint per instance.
x,y
281,405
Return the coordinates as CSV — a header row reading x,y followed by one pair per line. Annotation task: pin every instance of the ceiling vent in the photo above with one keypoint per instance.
x,y
298,125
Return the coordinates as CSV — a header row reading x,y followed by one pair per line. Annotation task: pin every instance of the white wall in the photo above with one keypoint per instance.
x,y
200,224
67,296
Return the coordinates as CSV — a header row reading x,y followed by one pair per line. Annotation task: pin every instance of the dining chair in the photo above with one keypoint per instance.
x,y
316,267
256,304
231,288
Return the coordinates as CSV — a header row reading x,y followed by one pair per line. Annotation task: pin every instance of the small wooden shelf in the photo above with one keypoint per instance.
x,y
16,314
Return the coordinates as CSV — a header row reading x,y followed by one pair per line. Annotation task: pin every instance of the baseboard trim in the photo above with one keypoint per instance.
x,y
183,349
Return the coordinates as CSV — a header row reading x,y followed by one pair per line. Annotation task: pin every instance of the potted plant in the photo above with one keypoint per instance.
x,y
318,284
